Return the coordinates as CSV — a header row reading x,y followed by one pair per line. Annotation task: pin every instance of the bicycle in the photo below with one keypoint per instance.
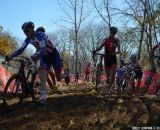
x,y
17,87
99,68
123,83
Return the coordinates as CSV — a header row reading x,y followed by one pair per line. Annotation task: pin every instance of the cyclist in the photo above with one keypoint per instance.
x,y
110,44
50,70
76,78
135,65
45,51
67,76
119,73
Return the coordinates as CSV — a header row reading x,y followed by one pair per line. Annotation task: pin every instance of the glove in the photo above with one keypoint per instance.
x,y
94,52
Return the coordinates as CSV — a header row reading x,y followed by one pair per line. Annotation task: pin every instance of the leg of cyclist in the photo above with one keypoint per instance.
x,y
43,78
52,75
56,63
54,60
107,78
110,67
112,77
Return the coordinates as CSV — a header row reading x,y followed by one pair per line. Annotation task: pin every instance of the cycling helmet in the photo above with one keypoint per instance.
x,y
133,57
41,29
27,25
113,30
122,61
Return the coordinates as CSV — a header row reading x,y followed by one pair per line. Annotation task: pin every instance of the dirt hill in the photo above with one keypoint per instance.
x,y
84,111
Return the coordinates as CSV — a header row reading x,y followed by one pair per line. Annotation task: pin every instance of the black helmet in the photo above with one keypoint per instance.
x,y
113,30
133,57
41,29
122,61
28,25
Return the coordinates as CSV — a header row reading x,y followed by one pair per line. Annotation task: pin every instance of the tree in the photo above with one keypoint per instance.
x,y
103,9
75,16
142,14
7,44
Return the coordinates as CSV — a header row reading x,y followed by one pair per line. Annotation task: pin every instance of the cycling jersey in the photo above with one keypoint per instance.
x,y
44,47
111,43
40,42
137,69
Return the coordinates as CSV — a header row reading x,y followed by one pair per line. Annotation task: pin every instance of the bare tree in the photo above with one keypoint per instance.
x,y
106,11
74,18
143,17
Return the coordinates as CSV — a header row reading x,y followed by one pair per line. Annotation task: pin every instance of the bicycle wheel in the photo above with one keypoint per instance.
x,y
13,92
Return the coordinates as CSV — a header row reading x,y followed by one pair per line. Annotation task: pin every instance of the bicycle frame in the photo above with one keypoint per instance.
x,y
21,76
99,68
124,81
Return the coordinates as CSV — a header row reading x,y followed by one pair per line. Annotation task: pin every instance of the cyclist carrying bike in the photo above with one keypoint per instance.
x,y
119,73
45,51
135,65
110,45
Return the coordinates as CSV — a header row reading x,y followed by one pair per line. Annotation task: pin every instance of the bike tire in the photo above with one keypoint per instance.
x,y
13,93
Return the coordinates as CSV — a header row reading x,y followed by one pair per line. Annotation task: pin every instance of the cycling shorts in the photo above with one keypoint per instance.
x,y
110,61
54,60
42,64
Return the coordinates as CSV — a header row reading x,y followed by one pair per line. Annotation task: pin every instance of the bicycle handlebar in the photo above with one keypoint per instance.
x,y
20,59
100,54
158,57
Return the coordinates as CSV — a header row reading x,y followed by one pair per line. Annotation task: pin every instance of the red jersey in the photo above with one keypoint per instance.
x,y
111,43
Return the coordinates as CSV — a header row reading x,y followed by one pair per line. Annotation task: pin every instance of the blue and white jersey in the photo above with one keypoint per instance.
x,y
40,42
120,71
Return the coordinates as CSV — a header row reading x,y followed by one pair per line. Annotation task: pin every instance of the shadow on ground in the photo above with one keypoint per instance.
x,y
79,111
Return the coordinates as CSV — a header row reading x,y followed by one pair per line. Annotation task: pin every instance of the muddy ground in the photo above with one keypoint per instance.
x,y
81,110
